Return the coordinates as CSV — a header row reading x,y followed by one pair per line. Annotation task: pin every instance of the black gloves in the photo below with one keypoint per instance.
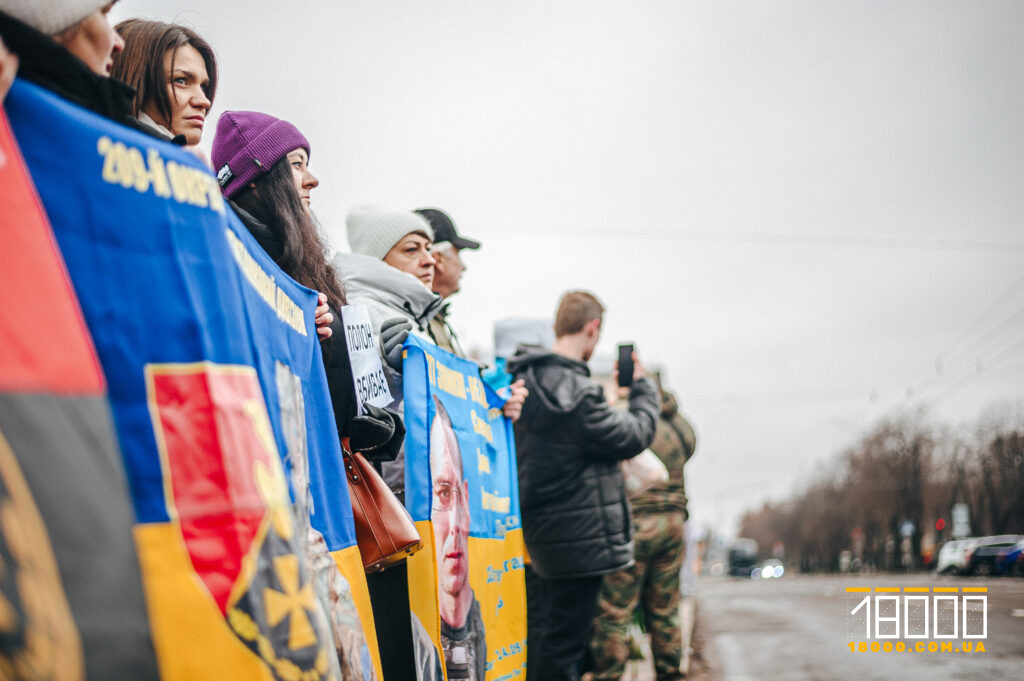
x,y
393,333
378,434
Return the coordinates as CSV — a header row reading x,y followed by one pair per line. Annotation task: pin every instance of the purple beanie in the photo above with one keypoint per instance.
x,y
247,144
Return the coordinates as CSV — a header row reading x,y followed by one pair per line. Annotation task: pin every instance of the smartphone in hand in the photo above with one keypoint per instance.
x,y
625,365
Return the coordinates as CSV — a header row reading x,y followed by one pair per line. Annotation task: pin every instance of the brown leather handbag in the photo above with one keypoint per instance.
x,y
385,531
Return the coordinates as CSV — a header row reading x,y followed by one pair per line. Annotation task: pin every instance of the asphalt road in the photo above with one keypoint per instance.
x,y
799,628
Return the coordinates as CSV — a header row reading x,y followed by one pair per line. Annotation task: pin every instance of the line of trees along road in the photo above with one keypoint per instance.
x,y
906,468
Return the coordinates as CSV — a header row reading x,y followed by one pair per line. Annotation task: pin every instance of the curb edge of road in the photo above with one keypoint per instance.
x,y
687,621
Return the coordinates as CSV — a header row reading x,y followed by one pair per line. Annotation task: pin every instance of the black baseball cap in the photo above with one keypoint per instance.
x,y
444,228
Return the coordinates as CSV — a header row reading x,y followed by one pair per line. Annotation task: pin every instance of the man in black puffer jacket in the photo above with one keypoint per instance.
x,y
576,518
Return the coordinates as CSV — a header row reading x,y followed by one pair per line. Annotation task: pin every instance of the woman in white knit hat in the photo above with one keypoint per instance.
x,y
67,47
390,268
390,271
79,25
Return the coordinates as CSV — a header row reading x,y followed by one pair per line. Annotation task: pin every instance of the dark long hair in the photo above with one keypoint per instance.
x,y
274,202
141,63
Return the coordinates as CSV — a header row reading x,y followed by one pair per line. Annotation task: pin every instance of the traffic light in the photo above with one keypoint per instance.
x,y
940,525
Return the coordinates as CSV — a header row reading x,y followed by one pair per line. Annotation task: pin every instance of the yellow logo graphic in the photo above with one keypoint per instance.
x,y
292,602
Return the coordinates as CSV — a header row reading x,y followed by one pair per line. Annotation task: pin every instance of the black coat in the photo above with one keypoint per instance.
x,y
379,433
569,442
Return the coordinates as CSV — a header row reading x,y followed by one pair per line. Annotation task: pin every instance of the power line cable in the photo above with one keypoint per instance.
x,y
1005,353
979,346
984,316
924,385
941,355
999,330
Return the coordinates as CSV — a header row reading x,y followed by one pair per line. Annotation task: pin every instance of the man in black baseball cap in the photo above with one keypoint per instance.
x,y
444,229
447,273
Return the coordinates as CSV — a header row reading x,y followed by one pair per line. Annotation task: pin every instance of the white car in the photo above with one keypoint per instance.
x,y
952,558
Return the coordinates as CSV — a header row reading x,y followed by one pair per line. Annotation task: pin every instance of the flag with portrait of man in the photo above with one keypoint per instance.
x,y
467,586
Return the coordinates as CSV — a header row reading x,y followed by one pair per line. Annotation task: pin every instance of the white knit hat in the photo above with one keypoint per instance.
x,y
50,16
373,231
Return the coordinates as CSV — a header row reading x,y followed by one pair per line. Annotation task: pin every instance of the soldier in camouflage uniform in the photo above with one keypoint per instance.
x,y
652,584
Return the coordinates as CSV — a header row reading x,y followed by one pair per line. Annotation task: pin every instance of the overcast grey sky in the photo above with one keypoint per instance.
x,y
793,207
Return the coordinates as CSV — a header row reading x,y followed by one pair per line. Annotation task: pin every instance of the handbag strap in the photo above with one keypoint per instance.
x,y
347,458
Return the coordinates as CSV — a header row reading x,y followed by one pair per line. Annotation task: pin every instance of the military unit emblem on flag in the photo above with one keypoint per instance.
x,y
228,493
185,315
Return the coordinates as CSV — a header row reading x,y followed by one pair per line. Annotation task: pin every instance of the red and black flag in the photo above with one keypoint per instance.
x,y
71,599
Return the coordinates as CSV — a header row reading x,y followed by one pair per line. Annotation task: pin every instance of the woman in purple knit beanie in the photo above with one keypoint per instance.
x,y
262,164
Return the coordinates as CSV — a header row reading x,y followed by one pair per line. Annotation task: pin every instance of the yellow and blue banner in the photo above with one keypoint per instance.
x,y
220,405
467,586
71,597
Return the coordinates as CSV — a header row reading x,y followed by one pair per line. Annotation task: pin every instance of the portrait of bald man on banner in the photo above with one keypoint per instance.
x,y
462,628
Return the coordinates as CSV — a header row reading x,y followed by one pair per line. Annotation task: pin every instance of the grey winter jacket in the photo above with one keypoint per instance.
x,y
569,442
388,293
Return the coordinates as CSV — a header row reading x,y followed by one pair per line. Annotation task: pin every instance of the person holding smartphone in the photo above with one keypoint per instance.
x,y
576,518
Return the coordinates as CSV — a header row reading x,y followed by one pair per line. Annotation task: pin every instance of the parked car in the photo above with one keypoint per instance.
x,y
981,558
951,558
742,557
1010,560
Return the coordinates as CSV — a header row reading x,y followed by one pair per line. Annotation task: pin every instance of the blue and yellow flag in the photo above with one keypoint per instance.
x,y
467,585
220,405
71,599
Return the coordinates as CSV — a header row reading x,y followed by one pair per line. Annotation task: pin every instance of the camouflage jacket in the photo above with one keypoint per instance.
x,y
674,443
442,334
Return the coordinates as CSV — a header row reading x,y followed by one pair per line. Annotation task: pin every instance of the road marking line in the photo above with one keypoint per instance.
x,y
858,589
975,589
888,589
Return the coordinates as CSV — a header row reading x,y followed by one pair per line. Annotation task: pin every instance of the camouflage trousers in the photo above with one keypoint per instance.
x,y
652,586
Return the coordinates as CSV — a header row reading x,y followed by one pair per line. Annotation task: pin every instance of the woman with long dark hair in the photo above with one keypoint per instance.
x,y
174,73
262,164
286,229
